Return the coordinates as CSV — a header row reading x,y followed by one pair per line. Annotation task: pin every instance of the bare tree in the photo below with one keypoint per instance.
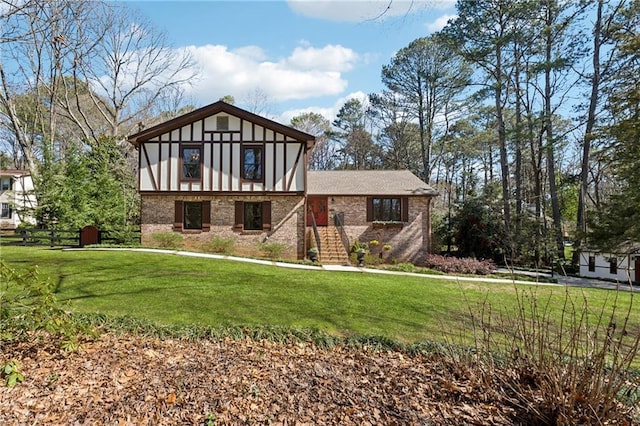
x,y
323,156
81,69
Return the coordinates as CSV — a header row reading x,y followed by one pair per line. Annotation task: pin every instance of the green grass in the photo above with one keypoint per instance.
x,y
168,289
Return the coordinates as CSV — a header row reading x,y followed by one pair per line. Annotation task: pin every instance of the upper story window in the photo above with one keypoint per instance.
x,y
252,163
5,211
387,209
191,161
6,183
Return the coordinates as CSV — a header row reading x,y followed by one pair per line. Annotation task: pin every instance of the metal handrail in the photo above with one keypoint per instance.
x,y
316,234
338,221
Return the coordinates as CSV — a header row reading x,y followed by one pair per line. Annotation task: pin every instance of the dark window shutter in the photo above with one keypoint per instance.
x,y
266,215
206,216
239,215
179,216
404,209
369,209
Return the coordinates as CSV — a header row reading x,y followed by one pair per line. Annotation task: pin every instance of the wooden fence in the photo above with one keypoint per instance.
x,y
64,237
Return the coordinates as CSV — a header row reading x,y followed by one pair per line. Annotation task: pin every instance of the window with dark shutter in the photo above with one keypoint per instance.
x,y
239,215
178,215
206,216
266,215
404,206
192,215
385,210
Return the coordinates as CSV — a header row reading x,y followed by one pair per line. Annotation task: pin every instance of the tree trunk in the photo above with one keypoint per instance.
x,y
502,140
551,166
581,226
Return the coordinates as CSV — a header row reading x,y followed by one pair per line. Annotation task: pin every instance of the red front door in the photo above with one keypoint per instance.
x,y
638,269
318,207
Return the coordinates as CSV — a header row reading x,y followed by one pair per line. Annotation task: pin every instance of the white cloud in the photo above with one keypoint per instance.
x,y
307,72
439,23
364,10
330,58
329,113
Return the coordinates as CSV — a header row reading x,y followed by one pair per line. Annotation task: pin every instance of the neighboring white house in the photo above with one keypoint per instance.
x,y
16,198
622,265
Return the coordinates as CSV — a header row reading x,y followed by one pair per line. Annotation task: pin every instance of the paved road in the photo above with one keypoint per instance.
x,y
562,280
580,281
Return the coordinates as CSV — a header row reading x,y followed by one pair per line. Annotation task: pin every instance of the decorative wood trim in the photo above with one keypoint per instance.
x,y
225,193
153,178
169,168
284,163
295,167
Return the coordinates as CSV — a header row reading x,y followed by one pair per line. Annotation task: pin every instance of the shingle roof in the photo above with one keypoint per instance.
x,y
366,182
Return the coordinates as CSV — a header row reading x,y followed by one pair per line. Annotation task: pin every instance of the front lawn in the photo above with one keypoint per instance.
x,y
169,289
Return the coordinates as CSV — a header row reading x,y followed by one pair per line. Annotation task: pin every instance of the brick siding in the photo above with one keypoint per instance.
x,y
287,222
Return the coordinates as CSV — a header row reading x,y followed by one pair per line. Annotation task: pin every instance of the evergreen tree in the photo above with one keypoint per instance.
x,y
619,220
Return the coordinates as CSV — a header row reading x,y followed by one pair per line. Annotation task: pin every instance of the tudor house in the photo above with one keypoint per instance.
x,y
225,172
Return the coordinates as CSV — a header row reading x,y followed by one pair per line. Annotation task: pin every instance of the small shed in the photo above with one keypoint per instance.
x,y
621,264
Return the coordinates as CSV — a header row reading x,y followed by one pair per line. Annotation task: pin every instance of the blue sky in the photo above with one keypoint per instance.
x,y
294,56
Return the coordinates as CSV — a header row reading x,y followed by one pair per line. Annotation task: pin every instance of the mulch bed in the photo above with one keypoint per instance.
x,y
137,380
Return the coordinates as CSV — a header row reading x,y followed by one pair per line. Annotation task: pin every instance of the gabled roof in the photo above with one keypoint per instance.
x,y
213,109
366,182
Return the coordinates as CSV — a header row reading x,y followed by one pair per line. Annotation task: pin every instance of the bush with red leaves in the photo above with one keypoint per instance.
x,y
454,265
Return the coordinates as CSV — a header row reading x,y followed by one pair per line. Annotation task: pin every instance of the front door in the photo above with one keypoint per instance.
x,y
638,269
318,207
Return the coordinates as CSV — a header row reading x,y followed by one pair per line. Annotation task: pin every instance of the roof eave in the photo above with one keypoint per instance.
x,y
213,109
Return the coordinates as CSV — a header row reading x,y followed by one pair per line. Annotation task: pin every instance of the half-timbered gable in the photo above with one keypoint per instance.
x,y
222,148
223,172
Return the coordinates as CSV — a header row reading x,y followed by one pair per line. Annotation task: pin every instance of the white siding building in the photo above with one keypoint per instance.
x,y
17,199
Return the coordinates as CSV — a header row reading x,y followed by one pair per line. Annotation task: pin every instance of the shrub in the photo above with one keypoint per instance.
x,y
454,265
28,303
170,240
577,369
272,250
124,236
403,267
219,245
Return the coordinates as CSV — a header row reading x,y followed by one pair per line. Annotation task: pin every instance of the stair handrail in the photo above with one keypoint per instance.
x,y
338,221
316,234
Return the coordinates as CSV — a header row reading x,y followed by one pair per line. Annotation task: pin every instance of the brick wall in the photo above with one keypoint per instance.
x,y
410,242
287,222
